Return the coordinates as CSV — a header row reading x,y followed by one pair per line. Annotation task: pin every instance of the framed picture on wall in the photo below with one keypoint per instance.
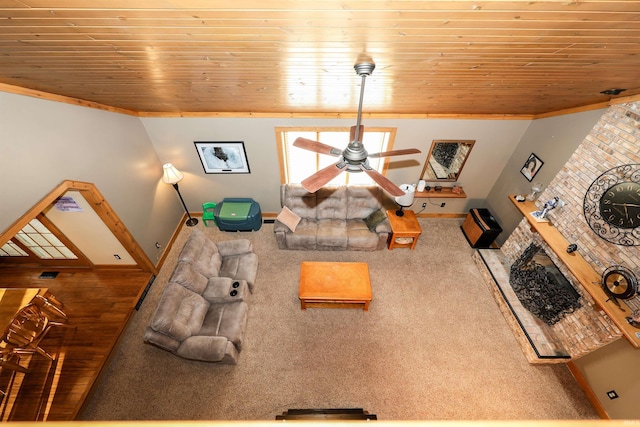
x,y
531,167
223,157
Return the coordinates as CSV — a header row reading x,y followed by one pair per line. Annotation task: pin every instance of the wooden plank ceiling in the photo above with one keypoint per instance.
x,y
297,56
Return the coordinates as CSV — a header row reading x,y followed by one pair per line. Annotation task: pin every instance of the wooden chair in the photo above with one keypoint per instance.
x,y
28,327
50,305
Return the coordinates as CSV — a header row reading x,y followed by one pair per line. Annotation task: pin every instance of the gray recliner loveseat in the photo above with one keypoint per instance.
x,y
202,312
334,218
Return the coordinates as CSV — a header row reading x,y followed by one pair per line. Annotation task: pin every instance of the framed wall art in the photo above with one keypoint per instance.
x,y
531,167
223,157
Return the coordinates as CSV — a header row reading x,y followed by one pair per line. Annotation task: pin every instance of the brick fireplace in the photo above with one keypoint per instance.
x,y
613,141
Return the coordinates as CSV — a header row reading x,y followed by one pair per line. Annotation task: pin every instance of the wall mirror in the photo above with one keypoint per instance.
x,y
446,159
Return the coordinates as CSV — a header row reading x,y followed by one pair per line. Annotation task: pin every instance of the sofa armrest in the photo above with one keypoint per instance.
x,y
220,289
384,227
279,227
160,340
234,247
208,349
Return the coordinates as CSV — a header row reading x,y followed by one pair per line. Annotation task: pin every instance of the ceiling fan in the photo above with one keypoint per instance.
x,y
354,158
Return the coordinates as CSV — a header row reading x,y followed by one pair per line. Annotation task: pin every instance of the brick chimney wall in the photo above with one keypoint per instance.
x,y
614,141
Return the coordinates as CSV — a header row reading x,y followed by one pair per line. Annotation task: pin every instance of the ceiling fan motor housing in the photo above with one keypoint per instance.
x,y
364,68
355,154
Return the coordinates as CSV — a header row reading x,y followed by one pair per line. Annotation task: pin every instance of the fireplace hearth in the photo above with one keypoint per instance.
x,y
541,287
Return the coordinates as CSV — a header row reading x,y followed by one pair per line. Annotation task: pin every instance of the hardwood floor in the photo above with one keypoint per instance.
x,y
99,305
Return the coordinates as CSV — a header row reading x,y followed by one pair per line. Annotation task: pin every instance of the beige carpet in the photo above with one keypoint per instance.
x,y
433,346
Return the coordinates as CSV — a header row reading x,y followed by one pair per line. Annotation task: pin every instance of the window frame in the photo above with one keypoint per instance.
x,y
32,258
283,158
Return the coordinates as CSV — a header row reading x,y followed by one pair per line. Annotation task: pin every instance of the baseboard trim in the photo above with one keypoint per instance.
x,y
441,215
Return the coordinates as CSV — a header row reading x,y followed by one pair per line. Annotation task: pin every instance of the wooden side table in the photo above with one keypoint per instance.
x,y
404,228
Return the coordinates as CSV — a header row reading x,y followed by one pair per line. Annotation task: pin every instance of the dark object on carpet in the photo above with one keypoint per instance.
x,y
326,414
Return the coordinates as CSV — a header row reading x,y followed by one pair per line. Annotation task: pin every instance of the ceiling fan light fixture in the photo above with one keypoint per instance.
x,y
612,91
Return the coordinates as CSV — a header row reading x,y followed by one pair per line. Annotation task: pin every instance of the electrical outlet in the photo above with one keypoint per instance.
x,y
612,394
442,204
158,245
424,205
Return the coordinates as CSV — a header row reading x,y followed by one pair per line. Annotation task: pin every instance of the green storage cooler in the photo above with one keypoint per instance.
x,y
238,214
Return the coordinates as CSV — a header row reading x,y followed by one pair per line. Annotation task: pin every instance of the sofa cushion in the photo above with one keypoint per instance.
x,y
241,267
192,246
202,253
234,247
305,236
288,218
299,200
374,218
332,234
359,236
180,312
362,200
226,320
187,276
332,202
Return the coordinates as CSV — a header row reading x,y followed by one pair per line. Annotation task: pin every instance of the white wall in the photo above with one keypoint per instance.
x,y
88,232
173,139
614,367
43,143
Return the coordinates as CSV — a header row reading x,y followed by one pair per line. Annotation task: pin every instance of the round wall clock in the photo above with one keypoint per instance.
x,y
612,205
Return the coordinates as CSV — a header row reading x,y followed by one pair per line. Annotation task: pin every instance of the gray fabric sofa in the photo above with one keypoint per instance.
x,y
332,218
202,312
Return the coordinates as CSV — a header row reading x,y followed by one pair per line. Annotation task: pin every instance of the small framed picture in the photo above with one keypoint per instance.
x,y
531,167
223,157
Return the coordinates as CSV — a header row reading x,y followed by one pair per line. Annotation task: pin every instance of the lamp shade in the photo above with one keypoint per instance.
x,y
409,193
171,174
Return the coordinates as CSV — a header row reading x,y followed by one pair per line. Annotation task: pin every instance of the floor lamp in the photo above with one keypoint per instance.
x,y
173,176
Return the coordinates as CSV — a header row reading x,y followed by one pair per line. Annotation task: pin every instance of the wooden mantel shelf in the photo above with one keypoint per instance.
x,y
445,193
582,270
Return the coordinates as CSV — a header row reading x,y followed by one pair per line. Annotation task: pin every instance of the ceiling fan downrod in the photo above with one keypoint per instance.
x,y
363,69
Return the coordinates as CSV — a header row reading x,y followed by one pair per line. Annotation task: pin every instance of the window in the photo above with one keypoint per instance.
x,y
40,242
297,164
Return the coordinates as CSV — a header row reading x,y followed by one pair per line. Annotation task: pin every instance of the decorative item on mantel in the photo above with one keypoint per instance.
x,y
536,188
541,215
634,319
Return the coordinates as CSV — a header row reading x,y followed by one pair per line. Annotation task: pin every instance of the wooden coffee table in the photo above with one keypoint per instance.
x,y
335,285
